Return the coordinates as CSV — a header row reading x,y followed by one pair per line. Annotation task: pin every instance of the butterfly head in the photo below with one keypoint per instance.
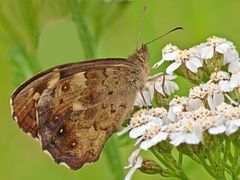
x,y
140,56
142,53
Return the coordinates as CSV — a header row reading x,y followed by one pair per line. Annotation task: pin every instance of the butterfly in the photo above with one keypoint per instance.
x,y
73,109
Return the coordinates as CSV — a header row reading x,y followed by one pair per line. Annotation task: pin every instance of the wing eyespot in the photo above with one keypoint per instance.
x,y
65,87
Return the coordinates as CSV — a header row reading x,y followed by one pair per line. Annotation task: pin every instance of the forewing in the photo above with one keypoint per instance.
x,y
24,100
25,97
80,112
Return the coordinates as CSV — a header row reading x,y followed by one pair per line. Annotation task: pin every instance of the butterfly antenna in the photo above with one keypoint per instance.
x,y
172,30
140,26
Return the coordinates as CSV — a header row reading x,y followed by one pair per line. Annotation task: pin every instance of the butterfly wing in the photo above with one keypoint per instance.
x,y
81,106
24,100
25,97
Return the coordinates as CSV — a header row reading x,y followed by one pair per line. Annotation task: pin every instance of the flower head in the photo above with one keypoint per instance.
x,y
187,131
216,77
221,45
230,115
143,119
224,47
228,85
209,92
189,57
153,135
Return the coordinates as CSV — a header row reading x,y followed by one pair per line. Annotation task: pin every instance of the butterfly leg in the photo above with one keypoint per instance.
x,y
144,101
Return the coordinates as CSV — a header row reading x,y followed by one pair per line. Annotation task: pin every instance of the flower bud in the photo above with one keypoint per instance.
x,y
150,167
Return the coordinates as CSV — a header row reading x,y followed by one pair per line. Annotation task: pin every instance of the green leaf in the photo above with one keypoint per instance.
x,y
26,65
112,153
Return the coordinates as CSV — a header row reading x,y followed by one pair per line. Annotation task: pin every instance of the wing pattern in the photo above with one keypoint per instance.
x,y
73,109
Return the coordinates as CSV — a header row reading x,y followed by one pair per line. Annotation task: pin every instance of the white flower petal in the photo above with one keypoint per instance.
x,y
192,139
177,109
170,87
234,66
139,100
218,99
145,145
191,66
177,138
170,56
223,47
147,95
207,52
171,114
215,100
123,131
172,67
225,86
194,104
134,168
138,140
195,137
230,56
138,131
132,157
217,130
197,62
158,64
139,162
158,87
232,126
170,77
130,173
150,88
235,80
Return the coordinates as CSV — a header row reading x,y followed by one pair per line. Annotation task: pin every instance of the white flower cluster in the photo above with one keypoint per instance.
x,y
185,122
195,57
210,107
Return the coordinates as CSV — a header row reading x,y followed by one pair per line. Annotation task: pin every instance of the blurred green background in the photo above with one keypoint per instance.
x,y
38,34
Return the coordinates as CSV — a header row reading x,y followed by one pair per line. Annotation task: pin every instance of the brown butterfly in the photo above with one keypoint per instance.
x,y
74,108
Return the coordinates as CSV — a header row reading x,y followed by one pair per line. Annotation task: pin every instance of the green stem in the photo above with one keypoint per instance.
x,y
206,166
171,164
235,163
164,162
83,29
180,158
178,166
227,148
